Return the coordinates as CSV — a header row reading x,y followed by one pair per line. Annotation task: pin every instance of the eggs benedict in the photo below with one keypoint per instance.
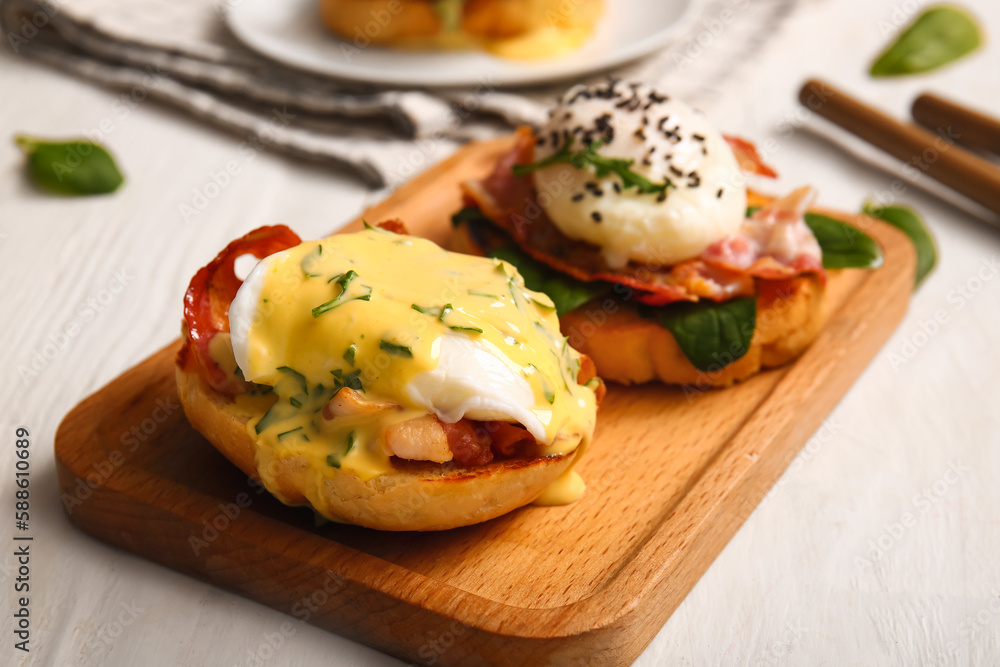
x,y
515,29
632,212
384,381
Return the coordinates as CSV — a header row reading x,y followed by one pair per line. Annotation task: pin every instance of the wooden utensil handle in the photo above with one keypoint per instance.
x,y
932,153
973,128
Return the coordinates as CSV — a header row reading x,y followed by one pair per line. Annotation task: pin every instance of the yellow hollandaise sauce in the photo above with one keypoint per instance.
x,y
414,330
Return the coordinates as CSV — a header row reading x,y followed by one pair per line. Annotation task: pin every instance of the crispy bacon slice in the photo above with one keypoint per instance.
x,y
775,243
395,226
511,204
212,290
748,157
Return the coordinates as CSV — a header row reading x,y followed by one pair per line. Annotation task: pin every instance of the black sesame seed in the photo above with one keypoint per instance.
x,y
617,187
577,197
590,185
595,216
646,162
598,192
540,141
640,134
718,195
675,171
662,197
697,137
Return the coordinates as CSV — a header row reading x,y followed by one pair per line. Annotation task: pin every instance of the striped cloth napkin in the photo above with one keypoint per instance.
x,y
179,52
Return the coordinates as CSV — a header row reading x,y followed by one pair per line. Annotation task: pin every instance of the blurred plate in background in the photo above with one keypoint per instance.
x,y
293,33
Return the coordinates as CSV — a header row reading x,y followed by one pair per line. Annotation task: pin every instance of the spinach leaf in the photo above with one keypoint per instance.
x,y
567,293
711,334
844,246
908,221
940,35
73,168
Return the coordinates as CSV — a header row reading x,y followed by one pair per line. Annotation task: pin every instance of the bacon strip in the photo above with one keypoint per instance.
x,y
510,203
213,288
748,157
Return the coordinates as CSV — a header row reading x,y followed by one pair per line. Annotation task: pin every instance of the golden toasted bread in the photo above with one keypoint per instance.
x,y
415,496
631,349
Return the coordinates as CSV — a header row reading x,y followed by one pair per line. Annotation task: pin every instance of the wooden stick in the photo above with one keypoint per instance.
x,y
974,129
932,153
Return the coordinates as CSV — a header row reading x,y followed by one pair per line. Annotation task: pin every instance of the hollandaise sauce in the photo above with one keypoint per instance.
x,y
412,330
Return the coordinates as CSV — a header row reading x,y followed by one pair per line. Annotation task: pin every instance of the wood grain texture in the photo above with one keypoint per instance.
x,y
672,474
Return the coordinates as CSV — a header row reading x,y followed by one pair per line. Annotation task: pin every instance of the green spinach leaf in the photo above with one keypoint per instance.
x,y
73,168
940,35
844,246
711,334
567,293
907,220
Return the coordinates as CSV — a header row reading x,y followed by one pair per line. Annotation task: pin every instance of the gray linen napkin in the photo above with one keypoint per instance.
x,y
180,52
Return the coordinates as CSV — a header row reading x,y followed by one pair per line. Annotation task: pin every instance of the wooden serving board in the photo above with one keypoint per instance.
x,y
671,476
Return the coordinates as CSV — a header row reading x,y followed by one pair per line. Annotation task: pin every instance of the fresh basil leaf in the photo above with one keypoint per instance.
x,y
567,293
711,334
73,168
940,35
844,246
907,220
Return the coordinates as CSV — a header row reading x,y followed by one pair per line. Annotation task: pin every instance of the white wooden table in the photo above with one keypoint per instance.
x,y
879,546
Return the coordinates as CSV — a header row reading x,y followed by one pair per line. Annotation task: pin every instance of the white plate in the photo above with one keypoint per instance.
x,y
292,32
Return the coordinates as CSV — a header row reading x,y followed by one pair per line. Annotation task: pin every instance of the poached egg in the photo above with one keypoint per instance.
x,y
408,325
666,142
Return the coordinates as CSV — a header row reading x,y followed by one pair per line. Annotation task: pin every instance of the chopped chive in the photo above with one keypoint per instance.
x,y
343,280
335,461
473,292
309,260
297,428
543,306
351,380
297,375
434,311
397,350
352,350
296,401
